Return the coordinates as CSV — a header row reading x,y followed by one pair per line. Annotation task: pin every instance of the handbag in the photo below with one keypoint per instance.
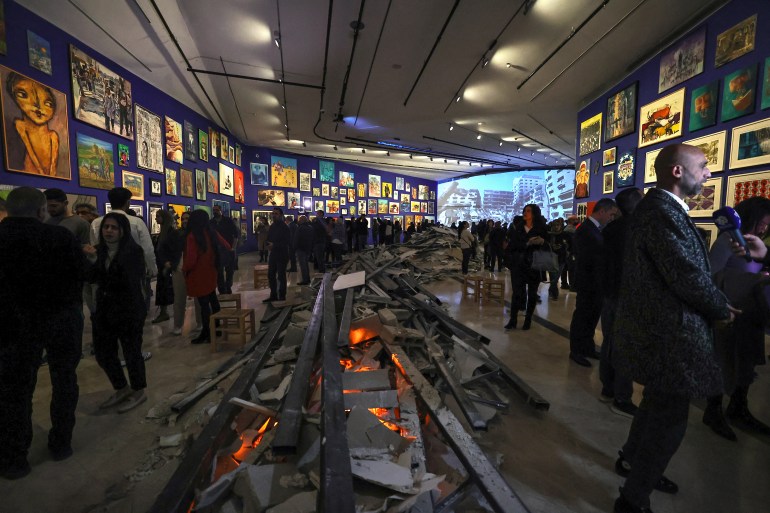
x,y
544,259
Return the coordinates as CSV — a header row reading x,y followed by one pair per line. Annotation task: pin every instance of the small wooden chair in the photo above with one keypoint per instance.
x,y
232,321
472,285
229,301
260,276
494,290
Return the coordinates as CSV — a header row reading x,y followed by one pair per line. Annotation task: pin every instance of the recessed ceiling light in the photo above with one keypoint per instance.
x,y
363,150
457,99
508,65
484,62
451,127
335,147
501,142
478,136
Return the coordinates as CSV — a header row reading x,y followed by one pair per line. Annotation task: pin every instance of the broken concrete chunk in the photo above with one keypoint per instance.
x,y
301,316
304,502
387,317
365,381
294,336
382,399
283,354
171,440
384,473
260,486
365,430
279,392
269,377
217,491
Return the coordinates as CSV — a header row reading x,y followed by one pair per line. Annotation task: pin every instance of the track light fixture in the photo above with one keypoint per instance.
x,y
457,99
484,62
518,148
304,144
501,143
478,136
277,38
431,159
387,153
363,150
410,156
451,127
335,147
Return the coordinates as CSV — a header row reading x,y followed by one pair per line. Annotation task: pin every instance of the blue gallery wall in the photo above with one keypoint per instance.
x,y
648,76
18,20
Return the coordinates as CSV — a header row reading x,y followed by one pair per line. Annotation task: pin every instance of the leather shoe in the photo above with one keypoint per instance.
x,y
596,355
60,453
664,484
623,506
580,360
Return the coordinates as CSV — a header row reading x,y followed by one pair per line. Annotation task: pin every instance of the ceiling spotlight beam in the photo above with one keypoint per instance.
x,y
538,142
357,28
372,61
235,101
430,54
283,74
478,149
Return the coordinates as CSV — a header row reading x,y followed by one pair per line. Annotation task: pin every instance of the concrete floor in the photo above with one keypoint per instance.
x,y
560,461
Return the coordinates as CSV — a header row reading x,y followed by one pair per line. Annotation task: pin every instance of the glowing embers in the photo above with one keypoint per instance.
x,y
251,439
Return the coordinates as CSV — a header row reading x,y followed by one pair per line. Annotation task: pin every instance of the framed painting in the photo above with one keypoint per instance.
x,y
393,207
362,206
152,209
399,183
231,154
625,173
703,106
100,97
375,186
408,187
223,145
609,156
609,180
325,189
621,113
200,185
271,198
423,192
149,140
226,185
765,102
238,154
123,155
649,166
736,41
307,203
134,182
334,192
590,134
332,206
382,206
433,195
171,185
347,179
173,130
415,206
138,210
362,190
707,201
318,205
258,173
156,187
240,190
293,200
661,120
47,153
405,203
581,211
304,182
326,171
748,185
205,208
213,143
343,200
212,181
96,161
190,142
424,207
371,207
351,195
283,172
750,144
713,146
223,205
582,178
738,93
186,188
316,191
203,146
431,208
709,232
39,52
682,61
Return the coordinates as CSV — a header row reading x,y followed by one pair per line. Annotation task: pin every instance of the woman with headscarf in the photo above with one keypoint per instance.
x,y
200,267
119,274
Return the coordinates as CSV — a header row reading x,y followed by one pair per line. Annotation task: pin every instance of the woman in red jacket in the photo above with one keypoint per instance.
x,y
200,267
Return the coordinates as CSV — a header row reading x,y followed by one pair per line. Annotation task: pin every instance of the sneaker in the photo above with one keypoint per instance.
x,y
624,408
176,331
136,398
146,355
118,397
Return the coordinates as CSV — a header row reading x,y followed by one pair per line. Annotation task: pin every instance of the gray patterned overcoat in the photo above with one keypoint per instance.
x,y
667,303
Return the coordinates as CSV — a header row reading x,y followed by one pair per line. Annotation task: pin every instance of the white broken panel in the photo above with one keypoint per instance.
x,y
262,486
381,399
346,281
390,475
269,377
279,392
217,491
365,430
366,380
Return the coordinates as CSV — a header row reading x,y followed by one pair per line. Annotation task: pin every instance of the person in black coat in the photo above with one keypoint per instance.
x,y
119,318
278,240
227,228
42,270
589,269
292,251
321,232
303,247
523,240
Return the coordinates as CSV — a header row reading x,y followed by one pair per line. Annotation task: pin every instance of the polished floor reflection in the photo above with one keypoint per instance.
x,y
560,461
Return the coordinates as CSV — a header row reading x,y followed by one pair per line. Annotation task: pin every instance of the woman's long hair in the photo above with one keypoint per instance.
x,y
198,227
752,210
537,216
167,225
125,237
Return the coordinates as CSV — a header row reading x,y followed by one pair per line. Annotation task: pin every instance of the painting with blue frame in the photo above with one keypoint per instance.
x,y
703,106
738,93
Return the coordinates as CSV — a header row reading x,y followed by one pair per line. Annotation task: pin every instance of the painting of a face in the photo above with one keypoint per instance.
x,y
34,99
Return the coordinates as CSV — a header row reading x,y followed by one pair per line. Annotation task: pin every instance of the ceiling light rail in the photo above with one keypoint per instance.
x,y
357,26
538,142
258,79
372,61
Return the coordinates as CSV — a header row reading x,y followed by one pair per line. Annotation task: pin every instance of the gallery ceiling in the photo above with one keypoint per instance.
x,y
400,85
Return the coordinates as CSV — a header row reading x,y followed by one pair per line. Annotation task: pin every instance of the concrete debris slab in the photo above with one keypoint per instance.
x,y
366,431
217,491
387,317
279,392
269,377
283,354
294,336
366,381
304,502
171,440
347,281
258,408
386,474
231,506
260,486
382,399
300,316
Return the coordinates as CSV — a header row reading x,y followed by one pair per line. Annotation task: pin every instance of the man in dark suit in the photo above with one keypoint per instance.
x,y
667,305
589,267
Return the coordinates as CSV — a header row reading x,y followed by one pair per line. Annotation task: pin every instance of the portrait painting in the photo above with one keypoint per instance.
x,y
707,201
213,142
431,208
212,181
351,195
736,41
96,161
238,154
405,203
582,178
343,201
362,206
271,198
190,142
713,147
334,192
304,182
332,207
624,174
326,171
415,206
347,179
223,146
149,140
152,209
39,52
324,189
258,173
316,191
226,180
156,187
387,189
283,172
203,145
362,190
318,205
399,183
123,154
682,61
371,207
608,156
100,97
649,166
393,207
423,192
621,113
738,93
240,190
375,188
408,187
293,200
590,134
703,106
223,205
382,206
173,130
186,187
750,144
231,154
171,185
661,119
134,182
200,185
36,133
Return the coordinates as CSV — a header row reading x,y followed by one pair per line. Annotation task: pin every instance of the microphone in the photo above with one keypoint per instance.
x,y
728,220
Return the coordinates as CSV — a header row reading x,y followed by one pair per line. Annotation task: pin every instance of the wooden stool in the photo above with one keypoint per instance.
x,y
226,299
260,276
232,321
472,286
494,290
